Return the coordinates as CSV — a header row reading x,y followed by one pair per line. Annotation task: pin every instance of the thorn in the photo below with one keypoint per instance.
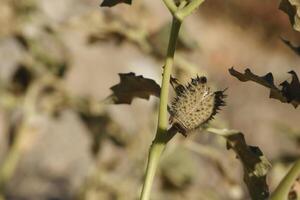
x,y
203,79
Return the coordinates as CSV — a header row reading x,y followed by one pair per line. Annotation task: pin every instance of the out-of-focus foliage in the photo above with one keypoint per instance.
x,y
178,169
159,40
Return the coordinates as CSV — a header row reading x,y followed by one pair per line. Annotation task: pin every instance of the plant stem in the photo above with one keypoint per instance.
x,y
153,160
187,10
161,138
282,190
170,5
163,113
10,163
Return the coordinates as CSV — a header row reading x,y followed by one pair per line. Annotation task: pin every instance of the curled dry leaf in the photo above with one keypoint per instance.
x,y
296,49
255,164
110,3
132,86
292,9
289,92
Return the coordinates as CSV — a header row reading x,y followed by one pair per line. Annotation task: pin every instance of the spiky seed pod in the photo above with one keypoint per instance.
x,y
194,105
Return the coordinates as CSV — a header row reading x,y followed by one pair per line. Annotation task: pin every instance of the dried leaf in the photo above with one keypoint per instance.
x,y
289,92
296,49
292,9
255,164
111,3
132,86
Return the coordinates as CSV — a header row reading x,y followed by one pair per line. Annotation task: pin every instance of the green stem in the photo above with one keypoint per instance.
x,y
163,113
187,10
170,5
153,160
161,137
10,163
283,189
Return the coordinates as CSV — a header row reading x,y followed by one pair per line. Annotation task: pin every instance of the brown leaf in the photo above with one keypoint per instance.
x,y
255,166
289,92
296,49
292,9
292,90
132,86
110,3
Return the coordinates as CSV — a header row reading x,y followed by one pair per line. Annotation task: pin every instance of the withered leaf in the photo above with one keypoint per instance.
x,y
132,86
288,93
255,164
292,90
111,3
292,9
296,49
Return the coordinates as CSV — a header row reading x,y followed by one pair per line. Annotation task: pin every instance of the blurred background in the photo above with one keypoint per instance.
x,y
59,141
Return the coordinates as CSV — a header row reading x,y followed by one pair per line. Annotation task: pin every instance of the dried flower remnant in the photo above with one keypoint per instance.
x,y
194,105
